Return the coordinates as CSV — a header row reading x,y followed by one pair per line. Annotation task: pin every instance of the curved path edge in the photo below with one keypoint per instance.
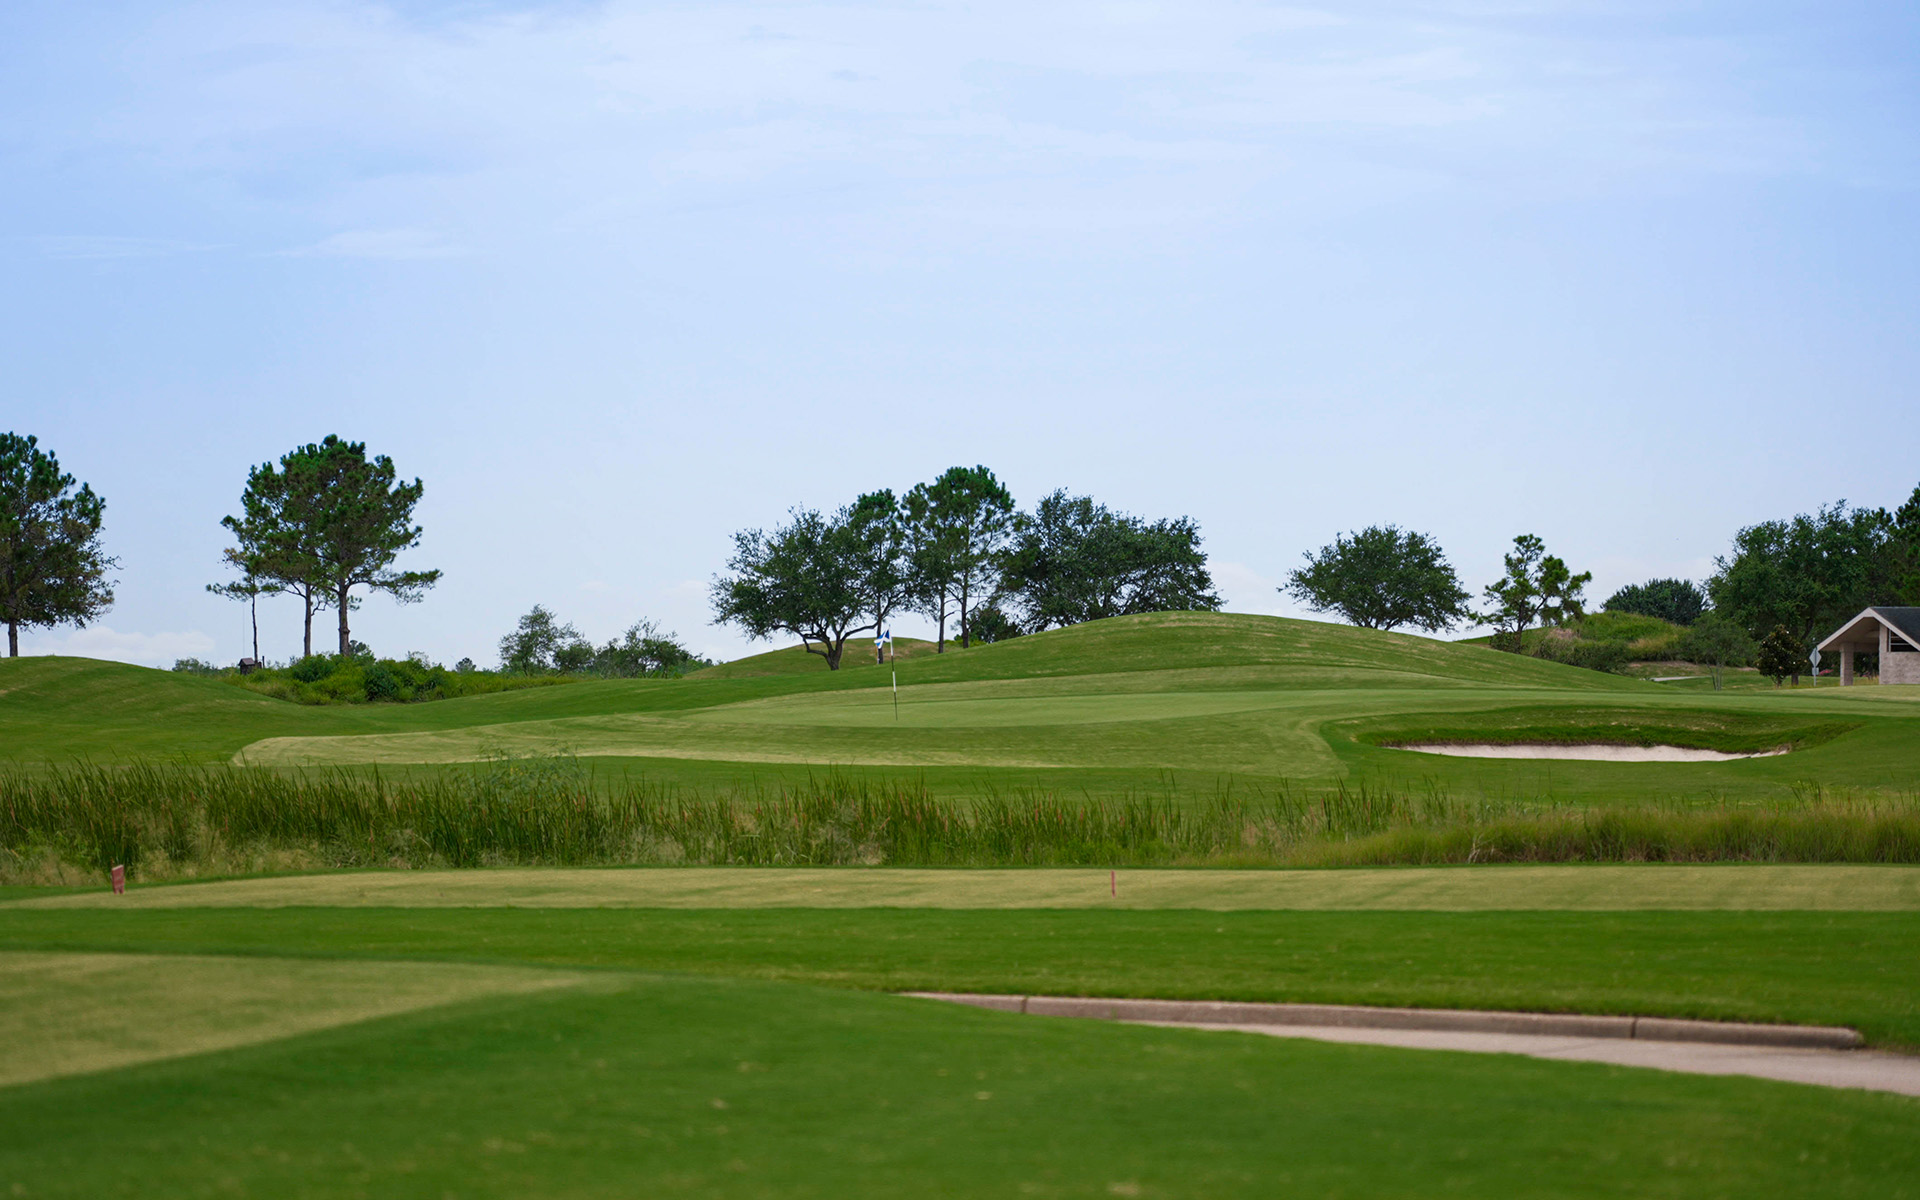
x,y
1353,1016
1822,1056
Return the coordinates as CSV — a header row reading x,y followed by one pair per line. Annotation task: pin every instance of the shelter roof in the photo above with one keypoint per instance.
x,y
1863,632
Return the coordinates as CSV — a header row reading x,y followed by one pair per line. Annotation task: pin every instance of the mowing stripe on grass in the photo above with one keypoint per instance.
x,y
1833,888
64,1014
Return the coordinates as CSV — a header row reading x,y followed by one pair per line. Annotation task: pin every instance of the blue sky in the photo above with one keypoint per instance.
x,y
618,279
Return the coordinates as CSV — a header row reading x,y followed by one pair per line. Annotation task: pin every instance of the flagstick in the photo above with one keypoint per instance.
x,y
893,659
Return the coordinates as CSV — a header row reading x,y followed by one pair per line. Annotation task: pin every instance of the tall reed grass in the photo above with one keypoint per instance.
x,y
170,821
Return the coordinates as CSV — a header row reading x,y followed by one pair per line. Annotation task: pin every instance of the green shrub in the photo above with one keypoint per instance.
x,y
1563,646
1715,640
1655,649
1624,627
360,678
1782,655
382,682
1596,656
347,684
1675,600
990,624
312,669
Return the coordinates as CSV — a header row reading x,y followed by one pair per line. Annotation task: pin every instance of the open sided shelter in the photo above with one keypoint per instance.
x,y
1893,633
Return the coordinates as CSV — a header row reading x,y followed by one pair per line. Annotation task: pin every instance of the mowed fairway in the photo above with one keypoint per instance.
x,y
1792,888
741,1047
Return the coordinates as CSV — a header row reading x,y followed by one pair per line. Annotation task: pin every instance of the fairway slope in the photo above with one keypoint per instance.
x,y
1110,708
1292,653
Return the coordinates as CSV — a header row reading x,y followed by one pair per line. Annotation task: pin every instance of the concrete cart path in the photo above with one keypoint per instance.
x,y
1869,1069
1825,1055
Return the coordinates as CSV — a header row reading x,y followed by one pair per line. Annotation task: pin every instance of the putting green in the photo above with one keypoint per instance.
x,y
63,1014
1439,889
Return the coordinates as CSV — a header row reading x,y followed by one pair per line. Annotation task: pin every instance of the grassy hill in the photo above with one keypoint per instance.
x,y
1130,705
798,660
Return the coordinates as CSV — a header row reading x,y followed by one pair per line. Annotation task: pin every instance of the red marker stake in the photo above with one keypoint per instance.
x,y
119,881
1113,883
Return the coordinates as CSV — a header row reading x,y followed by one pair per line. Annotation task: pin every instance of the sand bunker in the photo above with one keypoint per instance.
x,y
1591,752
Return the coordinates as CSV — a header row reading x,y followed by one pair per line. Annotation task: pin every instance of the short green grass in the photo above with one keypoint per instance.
x,y
1846,968
666,1087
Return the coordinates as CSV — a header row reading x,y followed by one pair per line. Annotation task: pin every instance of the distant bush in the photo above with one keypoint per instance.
x,y
991,624
1674,600
1719,644
1604,641
1646,638
363,679
542,644
313,668
381,682
1623,627
194,666
1782,655
1581,652
1718,641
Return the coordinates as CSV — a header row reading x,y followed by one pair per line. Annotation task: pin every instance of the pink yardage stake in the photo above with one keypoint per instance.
x,y
119,881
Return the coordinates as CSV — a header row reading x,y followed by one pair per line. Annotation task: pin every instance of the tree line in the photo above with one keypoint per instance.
x,y
956,549
1784,583
542,644
1383,577
326,523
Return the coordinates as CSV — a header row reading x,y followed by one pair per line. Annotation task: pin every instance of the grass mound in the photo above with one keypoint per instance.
x,y
797,660
1274,649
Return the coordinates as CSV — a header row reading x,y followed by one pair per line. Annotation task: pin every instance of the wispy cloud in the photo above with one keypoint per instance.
x,y
508,119
101,246
399,245
103,641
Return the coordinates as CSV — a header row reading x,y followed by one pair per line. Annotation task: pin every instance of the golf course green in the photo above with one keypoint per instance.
x,y
1112,707
527,1029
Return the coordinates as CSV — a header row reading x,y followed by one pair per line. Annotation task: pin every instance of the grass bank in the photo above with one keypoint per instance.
x,y
177,821
732,1088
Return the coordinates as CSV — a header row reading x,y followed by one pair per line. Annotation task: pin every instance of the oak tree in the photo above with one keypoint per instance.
x,y
1382,578
802,578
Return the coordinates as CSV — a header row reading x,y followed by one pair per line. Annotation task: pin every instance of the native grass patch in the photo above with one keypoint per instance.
x,y
165,821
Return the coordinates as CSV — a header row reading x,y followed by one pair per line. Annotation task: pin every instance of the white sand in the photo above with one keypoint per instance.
x,y
1592,752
